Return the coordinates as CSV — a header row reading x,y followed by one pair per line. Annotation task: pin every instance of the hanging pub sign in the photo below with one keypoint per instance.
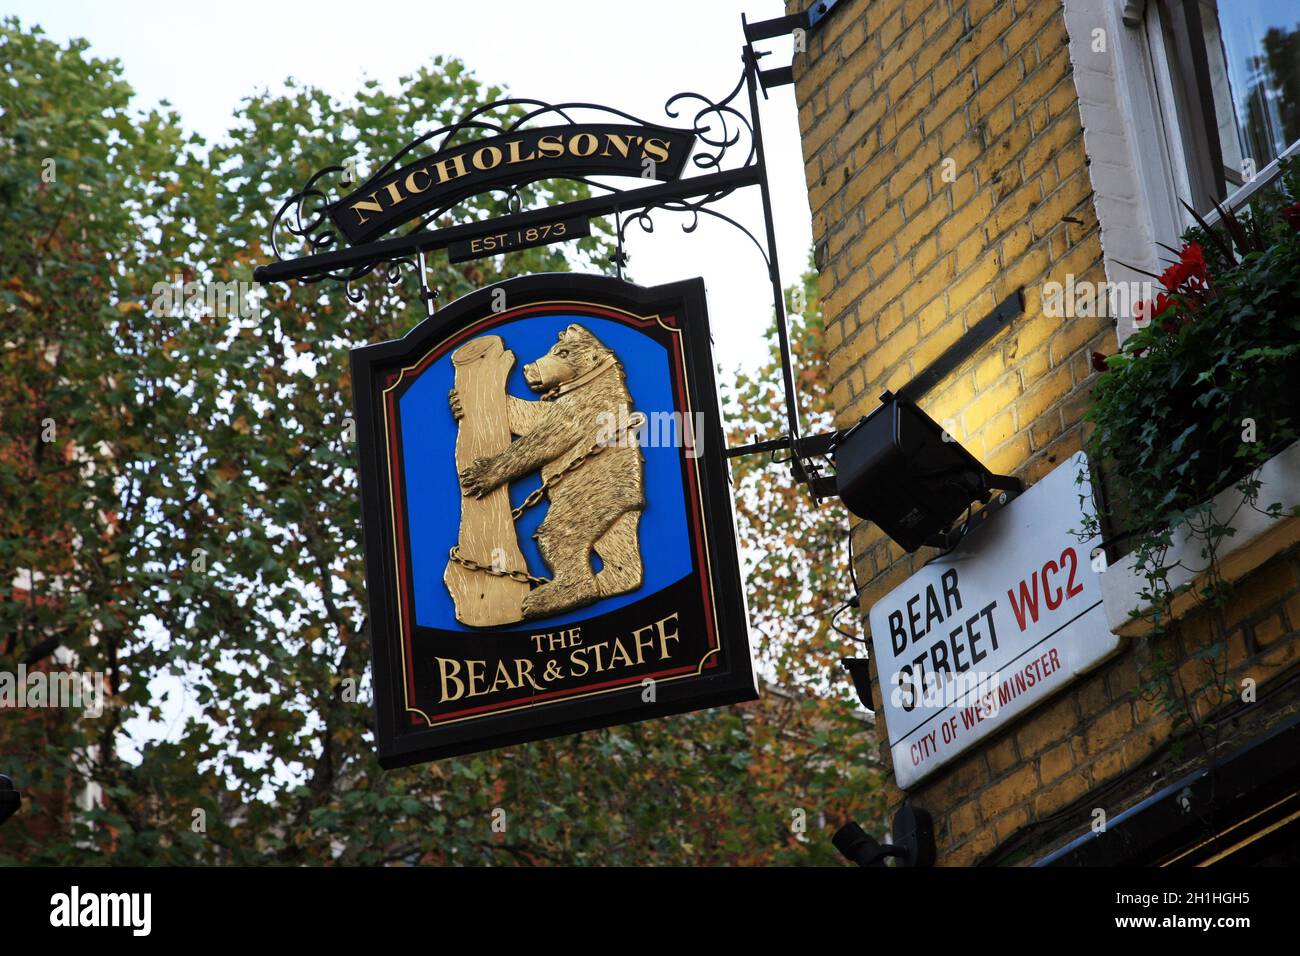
x,y
549,538
979,636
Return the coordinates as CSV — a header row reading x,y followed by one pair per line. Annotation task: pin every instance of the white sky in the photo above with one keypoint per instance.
x,y
204,58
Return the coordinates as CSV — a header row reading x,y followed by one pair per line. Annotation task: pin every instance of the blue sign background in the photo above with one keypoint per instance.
x,y
433,491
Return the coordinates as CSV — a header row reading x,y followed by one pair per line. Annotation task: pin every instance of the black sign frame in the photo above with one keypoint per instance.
x,y
512,240
730,680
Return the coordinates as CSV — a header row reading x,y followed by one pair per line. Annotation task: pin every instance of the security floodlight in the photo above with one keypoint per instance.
x,y
9,798
913,831
899,469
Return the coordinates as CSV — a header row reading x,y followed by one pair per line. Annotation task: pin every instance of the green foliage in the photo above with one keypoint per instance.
x,y
1172,406
193,526
799,574
1199,397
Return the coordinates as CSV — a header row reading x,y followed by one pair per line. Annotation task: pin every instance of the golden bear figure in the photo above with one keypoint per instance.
x,y
580,435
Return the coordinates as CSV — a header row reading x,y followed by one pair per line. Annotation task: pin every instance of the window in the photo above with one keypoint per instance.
x,y
1233,69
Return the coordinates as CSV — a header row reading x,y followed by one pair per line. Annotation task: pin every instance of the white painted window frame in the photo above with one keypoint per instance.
x,y
1143,21
1172,180
1137,178
1142,101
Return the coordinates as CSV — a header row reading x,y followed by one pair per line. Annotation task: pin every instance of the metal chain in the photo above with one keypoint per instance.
x,y
635,421
472,565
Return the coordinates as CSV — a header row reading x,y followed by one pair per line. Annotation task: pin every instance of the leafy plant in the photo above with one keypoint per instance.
x,y
1201,395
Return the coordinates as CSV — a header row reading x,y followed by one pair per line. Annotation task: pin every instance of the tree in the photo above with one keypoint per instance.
x,y
801,588
197,515
1281,69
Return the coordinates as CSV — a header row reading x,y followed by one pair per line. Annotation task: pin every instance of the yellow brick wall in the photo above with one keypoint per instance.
x,y
887,90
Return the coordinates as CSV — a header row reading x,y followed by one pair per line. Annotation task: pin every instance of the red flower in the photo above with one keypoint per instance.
x,y
1099,362
1145,312
1188,271
1291,214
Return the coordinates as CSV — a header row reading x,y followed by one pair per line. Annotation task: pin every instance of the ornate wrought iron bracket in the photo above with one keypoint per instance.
x,y
721,130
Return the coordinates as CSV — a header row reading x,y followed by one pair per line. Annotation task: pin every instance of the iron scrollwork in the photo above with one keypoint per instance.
x,y
720,128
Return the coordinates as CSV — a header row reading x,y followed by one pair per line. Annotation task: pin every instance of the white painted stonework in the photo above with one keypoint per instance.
x,y
1134,179
1256,538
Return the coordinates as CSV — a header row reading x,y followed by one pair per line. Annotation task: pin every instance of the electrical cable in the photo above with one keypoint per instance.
x,y
854,600
844,607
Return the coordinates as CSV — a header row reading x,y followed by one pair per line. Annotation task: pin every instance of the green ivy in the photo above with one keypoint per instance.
x,y
1198,398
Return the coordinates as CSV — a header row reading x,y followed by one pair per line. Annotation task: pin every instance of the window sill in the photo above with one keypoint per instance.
x,y
1256,539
